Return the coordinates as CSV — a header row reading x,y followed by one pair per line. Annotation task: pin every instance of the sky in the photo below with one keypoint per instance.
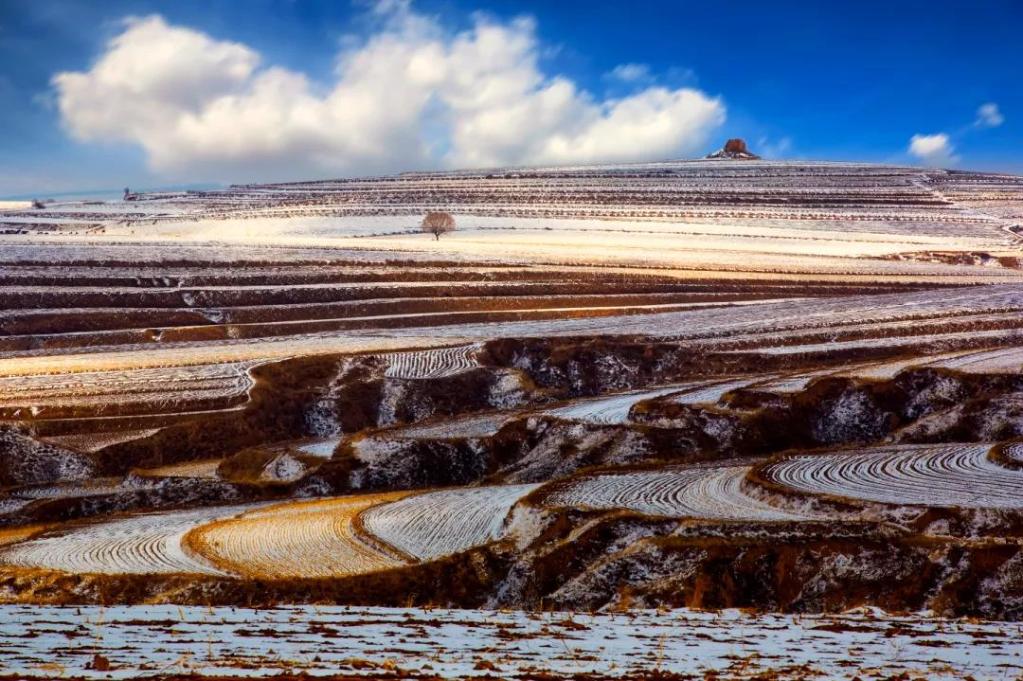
x,y
144,93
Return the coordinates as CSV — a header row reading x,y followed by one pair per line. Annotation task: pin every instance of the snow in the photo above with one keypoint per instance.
x,y
435,524
143,544
711,393
437,363
929,475
1000,335
472,426
325,640
698,492
611,409
999,361
296,539
323,448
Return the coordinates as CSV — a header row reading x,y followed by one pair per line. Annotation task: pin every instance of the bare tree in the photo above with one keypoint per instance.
x,y
437,223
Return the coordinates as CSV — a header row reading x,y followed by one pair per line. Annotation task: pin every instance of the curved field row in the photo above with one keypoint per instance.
x,y
890,369
298,539
1006,334
713,392
205,468
886,370
145,544
68,490
926,475
436,524
140,402
611,409
93,442
1000,361
472,426
120,380
707,323
793,383
435,363
713,493
125,392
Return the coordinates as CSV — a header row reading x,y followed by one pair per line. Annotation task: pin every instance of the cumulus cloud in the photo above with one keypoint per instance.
x,y
630,73
933,150
988,116
411,95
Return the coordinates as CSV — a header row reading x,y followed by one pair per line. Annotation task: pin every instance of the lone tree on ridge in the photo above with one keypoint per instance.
x,y
437,223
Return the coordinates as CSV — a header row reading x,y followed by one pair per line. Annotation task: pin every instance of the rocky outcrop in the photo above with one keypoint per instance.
x,y
25,461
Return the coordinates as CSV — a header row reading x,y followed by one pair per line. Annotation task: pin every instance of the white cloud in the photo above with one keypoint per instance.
x,y
933,150
412,95
631,73
988,116
774,150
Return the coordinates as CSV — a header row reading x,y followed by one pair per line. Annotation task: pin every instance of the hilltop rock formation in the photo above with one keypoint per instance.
x,y
734,148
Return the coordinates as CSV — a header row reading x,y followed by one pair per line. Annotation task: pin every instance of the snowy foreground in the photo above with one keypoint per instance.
x,y
46,642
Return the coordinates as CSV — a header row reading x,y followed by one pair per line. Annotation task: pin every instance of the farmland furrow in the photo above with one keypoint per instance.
x,y
926,475
612,409
435,524
713,493
295,539
999,361
435,363
145,544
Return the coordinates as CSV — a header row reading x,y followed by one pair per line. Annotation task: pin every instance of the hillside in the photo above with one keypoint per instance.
x,y
794,387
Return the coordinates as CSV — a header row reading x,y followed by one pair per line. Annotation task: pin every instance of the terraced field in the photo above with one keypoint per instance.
x,y
146,544
483,425
436,524
928,475
206,468
707,493
299,539
613,408
1000,361
276,382
431,363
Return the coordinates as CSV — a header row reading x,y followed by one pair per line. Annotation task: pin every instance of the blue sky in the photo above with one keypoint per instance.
x,y
322,89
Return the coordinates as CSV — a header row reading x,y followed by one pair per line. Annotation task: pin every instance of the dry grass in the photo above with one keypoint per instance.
x,y
12,535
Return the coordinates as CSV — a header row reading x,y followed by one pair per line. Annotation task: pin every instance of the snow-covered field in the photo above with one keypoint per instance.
x,y
931,475
1000,361
296,539
436,363
476,426
47,642
307,340
613,408
699,492
144,544
439,523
